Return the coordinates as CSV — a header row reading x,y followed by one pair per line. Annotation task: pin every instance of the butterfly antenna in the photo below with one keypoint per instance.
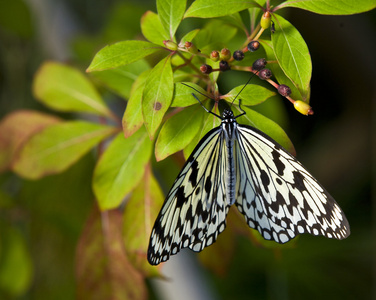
x,y
195,90
210,112
243,111
243,88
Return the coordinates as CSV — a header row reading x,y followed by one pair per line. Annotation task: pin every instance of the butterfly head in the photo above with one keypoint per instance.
x,y
228,115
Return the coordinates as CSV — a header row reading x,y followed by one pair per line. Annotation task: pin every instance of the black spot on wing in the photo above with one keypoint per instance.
x,y
180,197
298,181
278,163
208,185
265,180
193,177
275,205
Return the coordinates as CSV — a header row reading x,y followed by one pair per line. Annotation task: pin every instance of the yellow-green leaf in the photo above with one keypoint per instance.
x,y
120,168
57,147
66,89
157,95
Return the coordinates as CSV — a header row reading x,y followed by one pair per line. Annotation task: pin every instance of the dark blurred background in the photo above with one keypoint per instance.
x,y
40,225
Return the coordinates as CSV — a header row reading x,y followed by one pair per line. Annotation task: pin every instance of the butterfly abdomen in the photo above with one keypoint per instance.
x,y
229,126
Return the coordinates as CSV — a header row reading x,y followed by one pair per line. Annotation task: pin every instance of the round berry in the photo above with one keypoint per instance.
x,y
284,90
253,46
223,65
259,64
238,55
206,69
265,74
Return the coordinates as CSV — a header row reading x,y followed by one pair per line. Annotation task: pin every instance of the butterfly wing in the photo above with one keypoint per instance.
x,y
278,196
195,209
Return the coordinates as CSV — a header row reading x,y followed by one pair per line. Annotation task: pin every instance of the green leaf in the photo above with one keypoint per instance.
x,y
152,28
171,13
64,88
332,7
279,74
103,270
16,128
183,94
121,53
57,147
139,215
120,79
178,131
267,126
292,54
252,94
255,12
120,168
189,37
210,37
16,264
132,118
209,123
217,8
157,95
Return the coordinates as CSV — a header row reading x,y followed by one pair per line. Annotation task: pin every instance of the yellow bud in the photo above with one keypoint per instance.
x,y
265,20
225,54
191,47
214,56
303,107
170,45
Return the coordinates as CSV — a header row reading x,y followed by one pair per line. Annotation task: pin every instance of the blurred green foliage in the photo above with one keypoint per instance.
x,y
41,221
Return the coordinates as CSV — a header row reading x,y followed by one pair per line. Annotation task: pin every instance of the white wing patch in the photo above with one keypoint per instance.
x,y
278,196
195,209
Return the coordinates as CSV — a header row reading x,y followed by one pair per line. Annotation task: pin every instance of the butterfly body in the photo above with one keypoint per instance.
x,y
239,164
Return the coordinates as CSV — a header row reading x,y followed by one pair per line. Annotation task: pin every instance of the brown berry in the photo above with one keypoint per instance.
x,y
224,66
206,69
238,55
265,74
259,64
253,46
284,90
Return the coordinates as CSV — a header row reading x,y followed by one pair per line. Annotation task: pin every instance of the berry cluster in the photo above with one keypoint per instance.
x,y
226,59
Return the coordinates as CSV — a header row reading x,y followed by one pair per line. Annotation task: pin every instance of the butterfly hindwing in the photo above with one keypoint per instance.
x,y
278,196
195,209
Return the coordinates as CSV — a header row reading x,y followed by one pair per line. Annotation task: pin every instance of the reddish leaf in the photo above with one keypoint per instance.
x,y
16,128
221,251
103,269
139,216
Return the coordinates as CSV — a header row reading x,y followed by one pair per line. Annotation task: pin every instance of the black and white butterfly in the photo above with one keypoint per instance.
x,y
239,164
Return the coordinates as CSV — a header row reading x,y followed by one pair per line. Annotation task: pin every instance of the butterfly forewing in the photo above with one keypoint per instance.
x,y
278,196
195,209
238,163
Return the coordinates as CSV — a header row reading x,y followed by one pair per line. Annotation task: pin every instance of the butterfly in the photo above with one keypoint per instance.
x,y
238,164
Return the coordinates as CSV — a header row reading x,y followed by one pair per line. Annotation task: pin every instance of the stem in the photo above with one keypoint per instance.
x,y
189,63
251,37
259,34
